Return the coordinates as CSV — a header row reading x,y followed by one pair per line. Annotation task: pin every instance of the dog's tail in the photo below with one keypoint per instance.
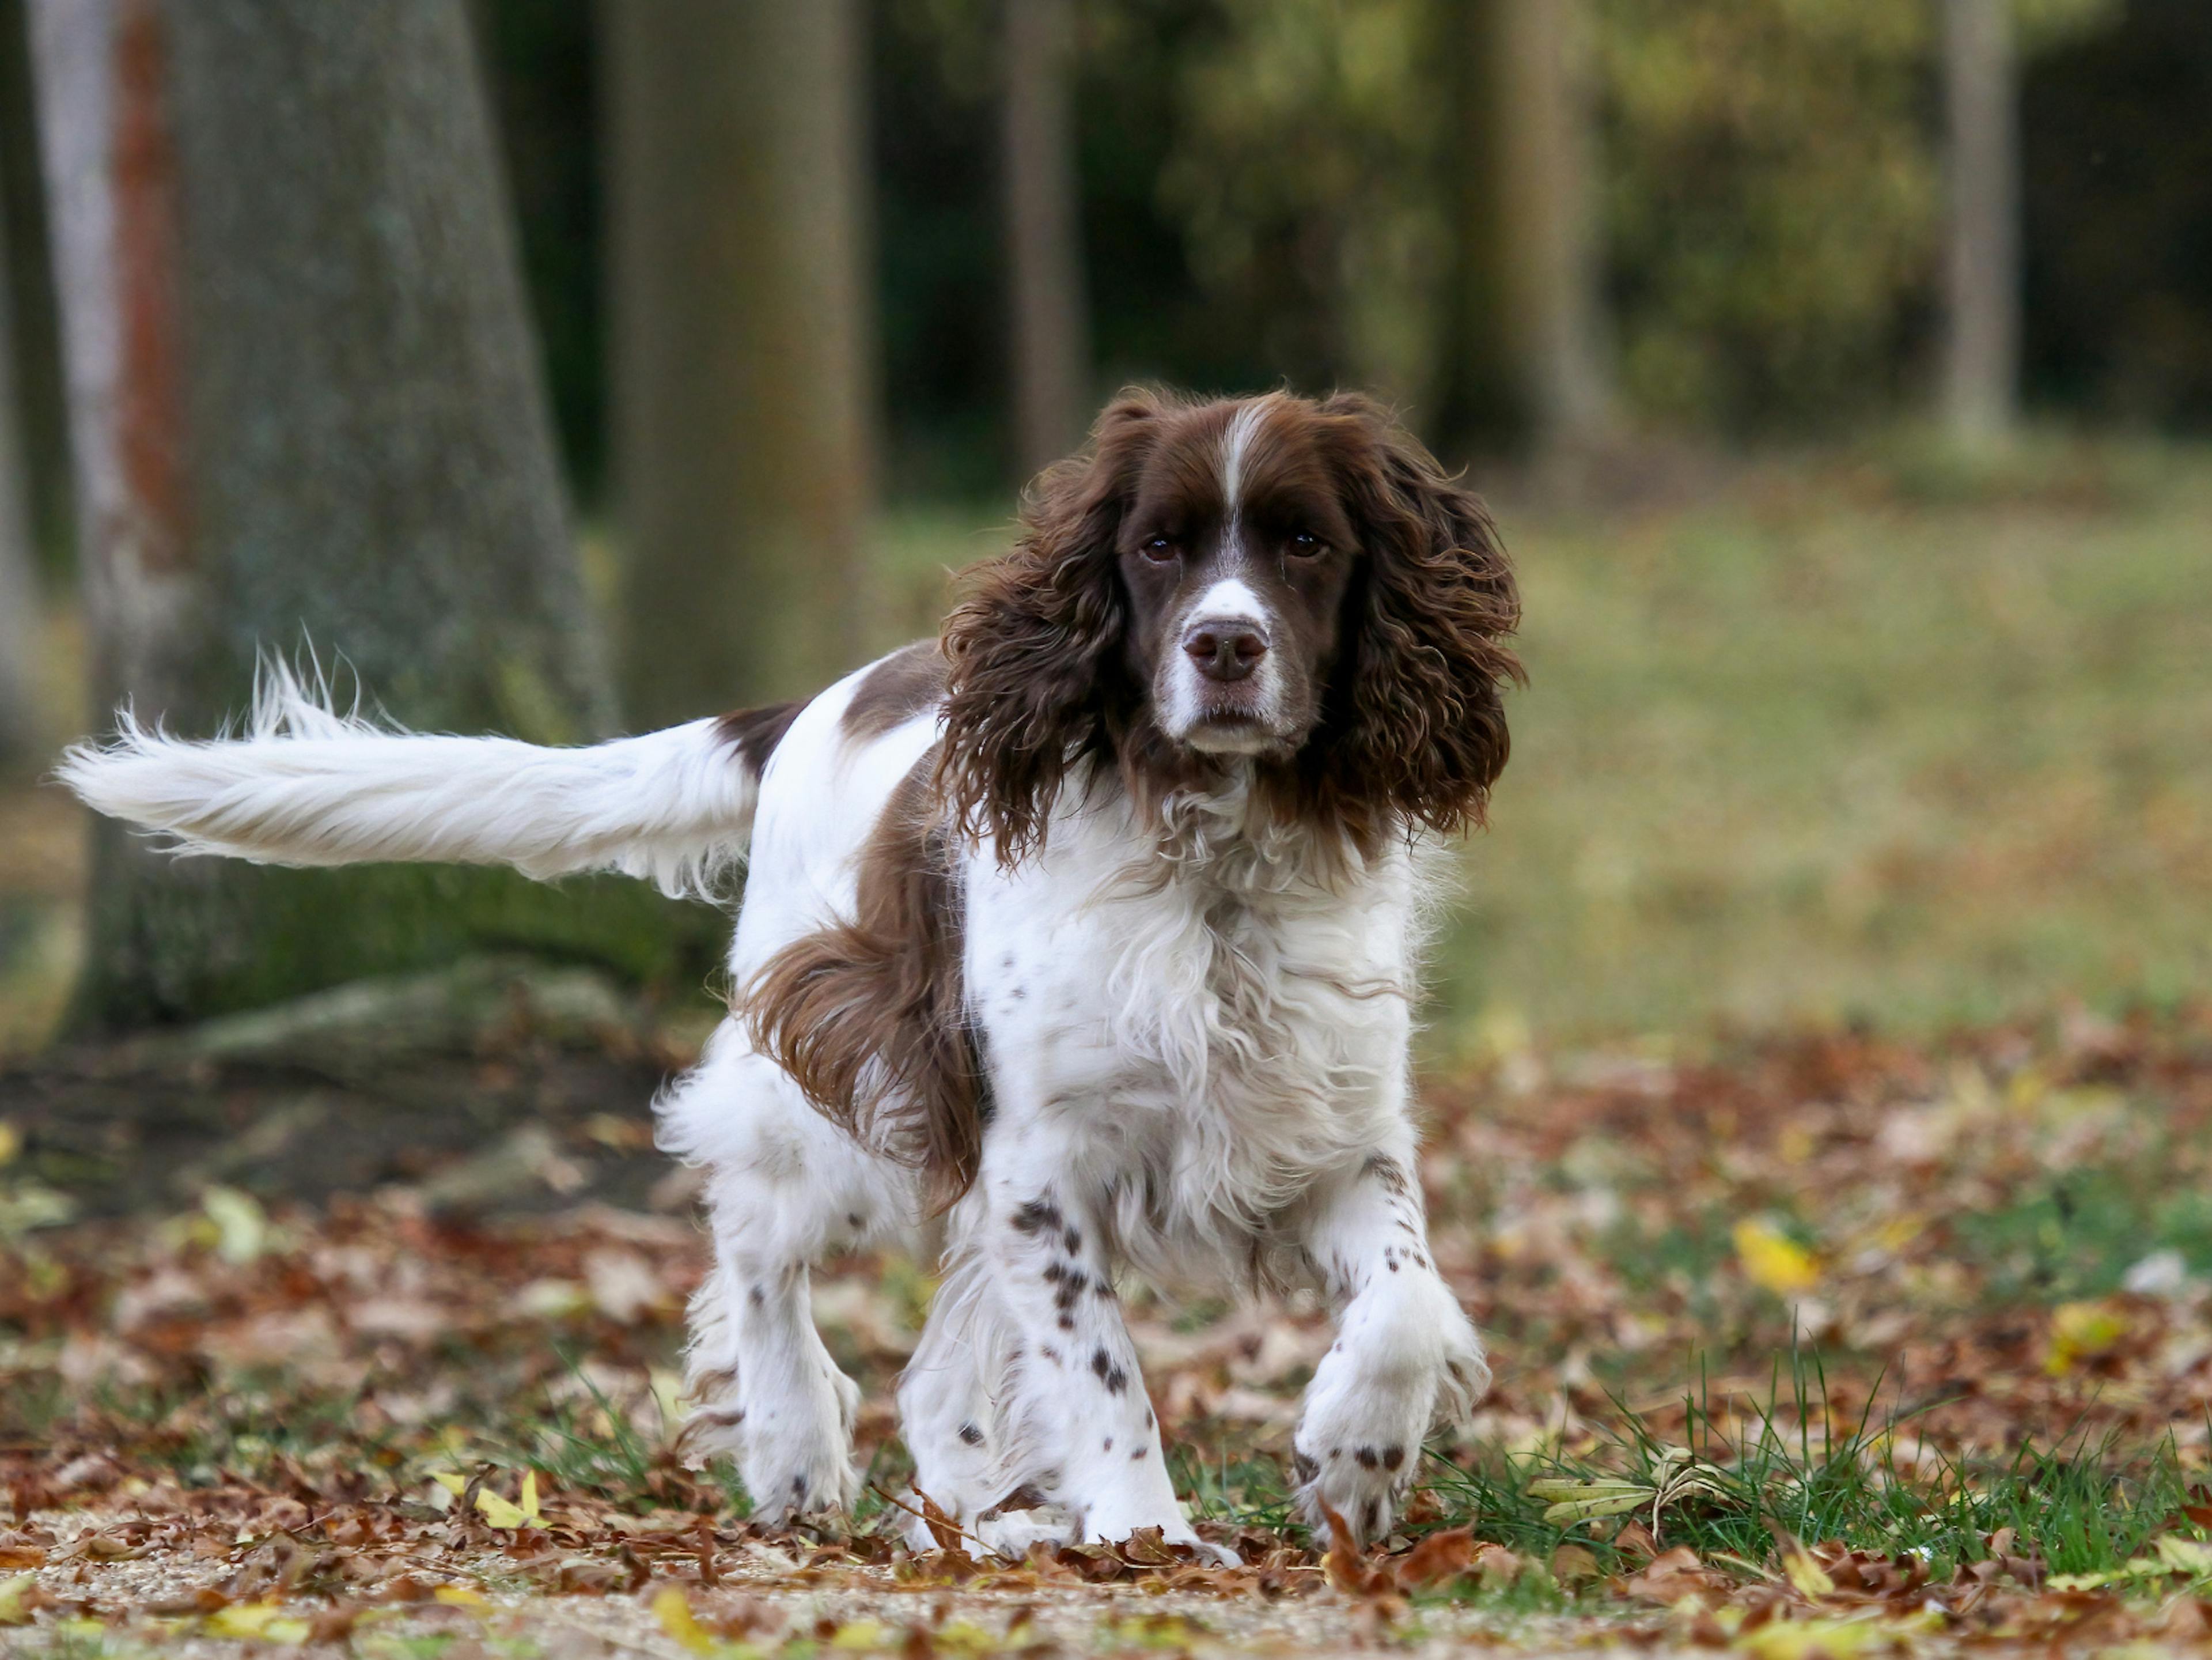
x,y
305,785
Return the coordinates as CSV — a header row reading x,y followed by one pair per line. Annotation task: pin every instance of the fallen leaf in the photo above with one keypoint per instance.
x,y
1773,1259
1440,1556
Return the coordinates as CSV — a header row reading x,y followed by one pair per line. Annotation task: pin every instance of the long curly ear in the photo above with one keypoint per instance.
x,y
1036,683
1420,724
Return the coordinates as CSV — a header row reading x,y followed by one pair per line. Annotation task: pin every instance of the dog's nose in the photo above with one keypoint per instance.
x,y
1224,648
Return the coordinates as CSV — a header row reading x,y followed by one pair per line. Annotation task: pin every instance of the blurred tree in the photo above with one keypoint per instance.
x,y
935,142
19,722
1981,111
743,378
1772,204
303,397
1051,344
2119,221
542,74
34,352
1529,364
1306,160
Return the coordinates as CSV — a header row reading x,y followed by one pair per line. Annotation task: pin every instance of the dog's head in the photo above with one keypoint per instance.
x,y
1289,582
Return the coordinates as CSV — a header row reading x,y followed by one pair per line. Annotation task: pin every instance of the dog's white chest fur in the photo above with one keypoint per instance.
x,y
1206,1026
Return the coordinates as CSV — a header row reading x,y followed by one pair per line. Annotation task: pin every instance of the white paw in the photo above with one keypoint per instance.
x,y
1396,1369
1011,1533
796,1454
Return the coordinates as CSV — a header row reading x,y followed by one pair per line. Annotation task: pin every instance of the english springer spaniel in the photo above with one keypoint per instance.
x,y
1093,926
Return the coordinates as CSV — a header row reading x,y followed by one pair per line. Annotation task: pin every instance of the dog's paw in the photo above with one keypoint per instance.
x,y
1359,1482
796,1459
1394,1370
1102,1529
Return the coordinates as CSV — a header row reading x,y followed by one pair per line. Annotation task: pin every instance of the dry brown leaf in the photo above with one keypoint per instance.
x,y
1437,1558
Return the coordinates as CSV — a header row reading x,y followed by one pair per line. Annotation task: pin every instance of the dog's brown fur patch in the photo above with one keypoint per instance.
x,y
870,1016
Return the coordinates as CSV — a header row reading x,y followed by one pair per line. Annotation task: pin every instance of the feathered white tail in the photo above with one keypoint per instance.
x,y
305,785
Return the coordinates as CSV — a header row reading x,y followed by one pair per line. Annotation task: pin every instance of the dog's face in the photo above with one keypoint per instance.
x,y
1289,581
1236,552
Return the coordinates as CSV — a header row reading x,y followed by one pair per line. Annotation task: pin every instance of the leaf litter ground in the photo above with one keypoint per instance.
x,y
1805,1346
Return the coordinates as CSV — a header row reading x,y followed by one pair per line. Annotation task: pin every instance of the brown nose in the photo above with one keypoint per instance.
x,y
1224,648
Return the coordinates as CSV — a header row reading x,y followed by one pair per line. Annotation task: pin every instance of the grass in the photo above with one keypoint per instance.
x,y
1813,752
1737,1482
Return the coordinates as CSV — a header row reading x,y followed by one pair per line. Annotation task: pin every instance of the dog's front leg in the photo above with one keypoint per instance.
x,y
1077,1430
1406,1352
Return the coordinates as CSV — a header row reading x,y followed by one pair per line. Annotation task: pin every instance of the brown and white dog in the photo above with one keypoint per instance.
x,y
1093,925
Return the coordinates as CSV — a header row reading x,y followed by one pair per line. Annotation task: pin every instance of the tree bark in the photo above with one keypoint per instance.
x,y
304,407
1051,349
21,729
1531,365
743,388
1981,348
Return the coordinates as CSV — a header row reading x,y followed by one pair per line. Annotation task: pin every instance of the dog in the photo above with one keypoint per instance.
x,y
1091,928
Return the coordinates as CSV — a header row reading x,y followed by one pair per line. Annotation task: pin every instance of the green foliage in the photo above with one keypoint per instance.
x,y
1772,202
1308,176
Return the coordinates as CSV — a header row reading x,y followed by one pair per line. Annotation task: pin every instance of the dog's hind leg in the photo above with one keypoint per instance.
x,y
784,1187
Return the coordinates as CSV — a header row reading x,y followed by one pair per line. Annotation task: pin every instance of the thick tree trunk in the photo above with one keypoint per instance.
x,y
1051,345
742,390
304,406
1532,364
1981,348
21,729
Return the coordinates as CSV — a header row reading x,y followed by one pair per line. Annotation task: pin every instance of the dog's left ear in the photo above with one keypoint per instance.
x,y
1420,726
1036,688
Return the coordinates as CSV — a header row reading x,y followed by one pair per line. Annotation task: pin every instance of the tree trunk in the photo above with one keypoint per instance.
x,y
304,407
1531,365
21,729
1051,347
743,391
1981,348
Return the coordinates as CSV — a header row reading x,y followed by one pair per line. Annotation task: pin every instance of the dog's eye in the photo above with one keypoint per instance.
x,y
1159,550
1305,543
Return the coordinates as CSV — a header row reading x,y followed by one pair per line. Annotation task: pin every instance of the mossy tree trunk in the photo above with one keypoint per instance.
x,y
742,359
21,730
306,407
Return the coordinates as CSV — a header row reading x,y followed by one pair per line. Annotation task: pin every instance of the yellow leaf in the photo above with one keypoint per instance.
x,y
1603,1487
14,1594
673,1609
1804,1639
2183,1555
2135,1567
962,1637
2080,1331
456,1485
1773,1259
243,1619
460,1596
863,1634
500,1512
530,1496
1810,1578
1576,1502
241,1226
11,1142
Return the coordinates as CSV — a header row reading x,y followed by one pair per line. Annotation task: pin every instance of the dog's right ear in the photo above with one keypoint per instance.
x,y
1036,683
